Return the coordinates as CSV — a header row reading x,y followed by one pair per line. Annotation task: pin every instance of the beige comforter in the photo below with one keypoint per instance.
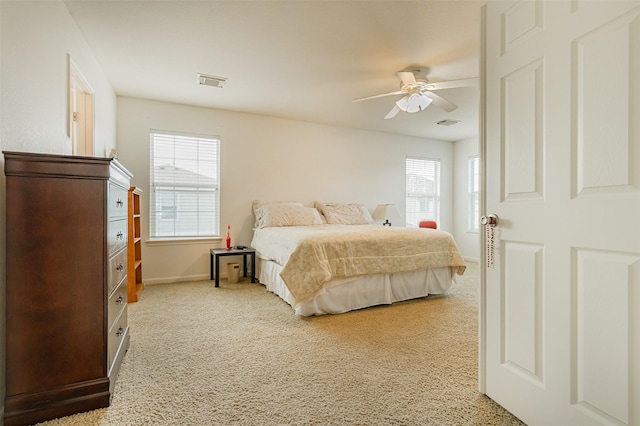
x,y
314,255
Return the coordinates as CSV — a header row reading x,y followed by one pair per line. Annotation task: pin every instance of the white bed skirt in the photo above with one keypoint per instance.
x,y
356,293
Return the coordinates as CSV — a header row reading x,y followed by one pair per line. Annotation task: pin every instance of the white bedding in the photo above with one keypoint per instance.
x,y
313,259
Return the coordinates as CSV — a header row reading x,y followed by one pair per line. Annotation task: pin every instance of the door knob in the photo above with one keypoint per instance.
x,y
491,220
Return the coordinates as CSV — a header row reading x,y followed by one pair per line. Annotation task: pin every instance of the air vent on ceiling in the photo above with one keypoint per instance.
x,y
447,122
210,80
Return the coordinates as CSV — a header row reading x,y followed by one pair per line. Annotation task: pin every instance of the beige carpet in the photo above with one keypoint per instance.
x,y
237,355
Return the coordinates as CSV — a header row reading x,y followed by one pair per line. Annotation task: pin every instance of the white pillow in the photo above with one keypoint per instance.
x,y
318,205
270,215
257,203
346,214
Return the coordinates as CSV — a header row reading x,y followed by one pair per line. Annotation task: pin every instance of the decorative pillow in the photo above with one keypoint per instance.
x,y
346,214
257,203
270,215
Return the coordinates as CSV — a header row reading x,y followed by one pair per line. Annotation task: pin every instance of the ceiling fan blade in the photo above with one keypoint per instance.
x,y
407,77
441,102
392,113
378,96
464,82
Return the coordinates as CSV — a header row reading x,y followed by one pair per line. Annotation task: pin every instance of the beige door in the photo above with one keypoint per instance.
x,y
82,124
81,113
560,295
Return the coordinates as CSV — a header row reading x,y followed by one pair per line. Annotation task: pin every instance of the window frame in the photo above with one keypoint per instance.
x,y
205,154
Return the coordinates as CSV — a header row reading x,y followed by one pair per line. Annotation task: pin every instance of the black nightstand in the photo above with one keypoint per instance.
x,y
215,261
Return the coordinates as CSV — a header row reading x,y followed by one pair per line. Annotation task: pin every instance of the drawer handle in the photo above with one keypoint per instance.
x,y
120,332
119,299
119,235
120,267
119,203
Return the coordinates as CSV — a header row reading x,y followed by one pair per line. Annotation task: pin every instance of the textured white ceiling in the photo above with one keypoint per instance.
x,y
302,60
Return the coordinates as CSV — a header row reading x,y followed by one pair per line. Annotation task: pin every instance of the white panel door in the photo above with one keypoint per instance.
x,y
560,302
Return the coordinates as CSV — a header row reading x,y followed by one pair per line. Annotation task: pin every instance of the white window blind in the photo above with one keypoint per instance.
x,y
474,193
185,192
423,190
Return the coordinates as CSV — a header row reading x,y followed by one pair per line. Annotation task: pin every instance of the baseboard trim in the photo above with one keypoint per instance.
x,y
168,280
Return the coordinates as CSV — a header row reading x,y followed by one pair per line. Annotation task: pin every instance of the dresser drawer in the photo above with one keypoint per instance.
x,y
117,335
117,200
117,235
117,302
117,269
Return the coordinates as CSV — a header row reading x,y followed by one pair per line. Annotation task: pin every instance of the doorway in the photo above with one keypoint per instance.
x,y
81,113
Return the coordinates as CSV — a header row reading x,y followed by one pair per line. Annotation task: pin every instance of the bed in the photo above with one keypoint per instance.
x,y
332,258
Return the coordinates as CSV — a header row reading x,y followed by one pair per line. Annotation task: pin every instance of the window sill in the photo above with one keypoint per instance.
x,y
181,241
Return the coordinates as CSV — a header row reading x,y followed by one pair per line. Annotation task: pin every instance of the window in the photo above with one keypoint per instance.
x,y
184,200
423,190
474,193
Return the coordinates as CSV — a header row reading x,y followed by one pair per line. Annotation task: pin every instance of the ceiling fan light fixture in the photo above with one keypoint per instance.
x,y
414,102
403,104
423,101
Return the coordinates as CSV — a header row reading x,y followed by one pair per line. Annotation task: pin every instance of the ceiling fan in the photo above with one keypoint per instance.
x,y
418,92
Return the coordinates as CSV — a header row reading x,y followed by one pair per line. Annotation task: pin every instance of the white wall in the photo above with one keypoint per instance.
x,y
36,38
271,159
467,241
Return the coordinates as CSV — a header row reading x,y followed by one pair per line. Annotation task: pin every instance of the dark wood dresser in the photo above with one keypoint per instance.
x,y
66,288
